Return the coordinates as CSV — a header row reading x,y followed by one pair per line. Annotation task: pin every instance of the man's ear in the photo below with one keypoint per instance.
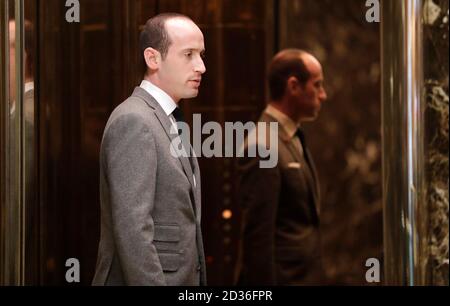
x,y
152,58
293,84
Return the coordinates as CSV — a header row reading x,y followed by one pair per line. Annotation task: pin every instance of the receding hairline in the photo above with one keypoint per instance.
x,y
180,18
308,59
164,18
290,54
174,35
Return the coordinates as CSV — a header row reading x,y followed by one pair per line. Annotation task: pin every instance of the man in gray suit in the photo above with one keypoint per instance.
x,y
280,240
150,198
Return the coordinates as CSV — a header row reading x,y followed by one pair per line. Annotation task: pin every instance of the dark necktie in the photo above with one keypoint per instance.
x,y
309,162
301,136
178,115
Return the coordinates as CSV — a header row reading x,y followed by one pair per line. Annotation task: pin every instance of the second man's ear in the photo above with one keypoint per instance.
x,y
152,58
293,84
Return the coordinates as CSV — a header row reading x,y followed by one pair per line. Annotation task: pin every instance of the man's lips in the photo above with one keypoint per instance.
x,y
196,81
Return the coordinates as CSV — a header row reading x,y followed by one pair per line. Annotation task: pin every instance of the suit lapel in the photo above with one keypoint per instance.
x,y
310,174
197,189
297,156
167,124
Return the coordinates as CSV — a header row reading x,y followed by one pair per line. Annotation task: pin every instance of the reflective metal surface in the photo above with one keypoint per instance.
x,y
3,135
405,210
12,205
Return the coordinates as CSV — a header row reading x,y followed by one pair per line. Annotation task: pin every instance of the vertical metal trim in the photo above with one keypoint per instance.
x,y
405,210
12,205
20,81
4,112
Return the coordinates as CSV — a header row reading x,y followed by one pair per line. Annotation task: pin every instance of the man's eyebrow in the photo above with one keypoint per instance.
x,y
194,49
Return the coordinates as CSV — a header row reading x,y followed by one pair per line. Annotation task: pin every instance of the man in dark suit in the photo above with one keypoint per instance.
x,y
280,239
150,198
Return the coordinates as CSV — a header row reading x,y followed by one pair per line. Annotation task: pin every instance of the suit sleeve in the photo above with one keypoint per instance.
x,y
131,166
258,196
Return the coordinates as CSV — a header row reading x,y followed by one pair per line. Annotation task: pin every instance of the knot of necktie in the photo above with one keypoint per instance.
x,y
178,115
301,135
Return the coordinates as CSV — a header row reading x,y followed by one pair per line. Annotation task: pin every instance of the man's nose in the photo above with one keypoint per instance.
x,y
323,95
200,66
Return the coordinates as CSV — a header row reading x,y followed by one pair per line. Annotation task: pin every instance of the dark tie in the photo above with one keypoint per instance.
x,y
301,136
178,115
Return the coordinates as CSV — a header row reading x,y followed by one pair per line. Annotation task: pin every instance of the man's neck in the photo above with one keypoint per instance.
x,y
281,107
155,81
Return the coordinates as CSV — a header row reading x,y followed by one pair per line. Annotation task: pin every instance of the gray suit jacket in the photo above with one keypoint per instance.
x,y
280,240
150,208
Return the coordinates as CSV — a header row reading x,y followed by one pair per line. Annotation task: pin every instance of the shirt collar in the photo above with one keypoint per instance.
x,y
289,126
163,99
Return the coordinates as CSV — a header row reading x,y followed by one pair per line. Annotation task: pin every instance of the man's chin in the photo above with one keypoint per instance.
x,y
191,95
310,118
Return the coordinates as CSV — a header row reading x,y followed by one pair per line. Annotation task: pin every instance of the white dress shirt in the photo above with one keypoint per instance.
x,y
164,100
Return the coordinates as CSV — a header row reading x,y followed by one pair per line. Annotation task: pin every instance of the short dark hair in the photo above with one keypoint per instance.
x,y
154,35
285,64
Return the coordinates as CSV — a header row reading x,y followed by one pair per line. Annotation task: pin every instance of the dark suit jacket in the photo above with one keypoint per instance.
x,y
280,240
150,205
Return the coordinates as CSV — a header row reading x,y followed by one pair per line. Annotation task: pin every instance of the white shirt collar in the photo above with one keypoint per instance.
x,y
164,100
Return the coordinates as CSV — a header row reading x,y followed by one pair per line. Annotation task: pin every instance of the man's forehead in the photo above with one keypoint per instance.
x,y
182,29
179,26
312,64
190,44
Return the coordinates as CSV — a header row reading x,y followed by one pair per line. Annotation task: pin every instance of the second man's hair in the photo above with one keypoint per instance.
x,y
285,64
